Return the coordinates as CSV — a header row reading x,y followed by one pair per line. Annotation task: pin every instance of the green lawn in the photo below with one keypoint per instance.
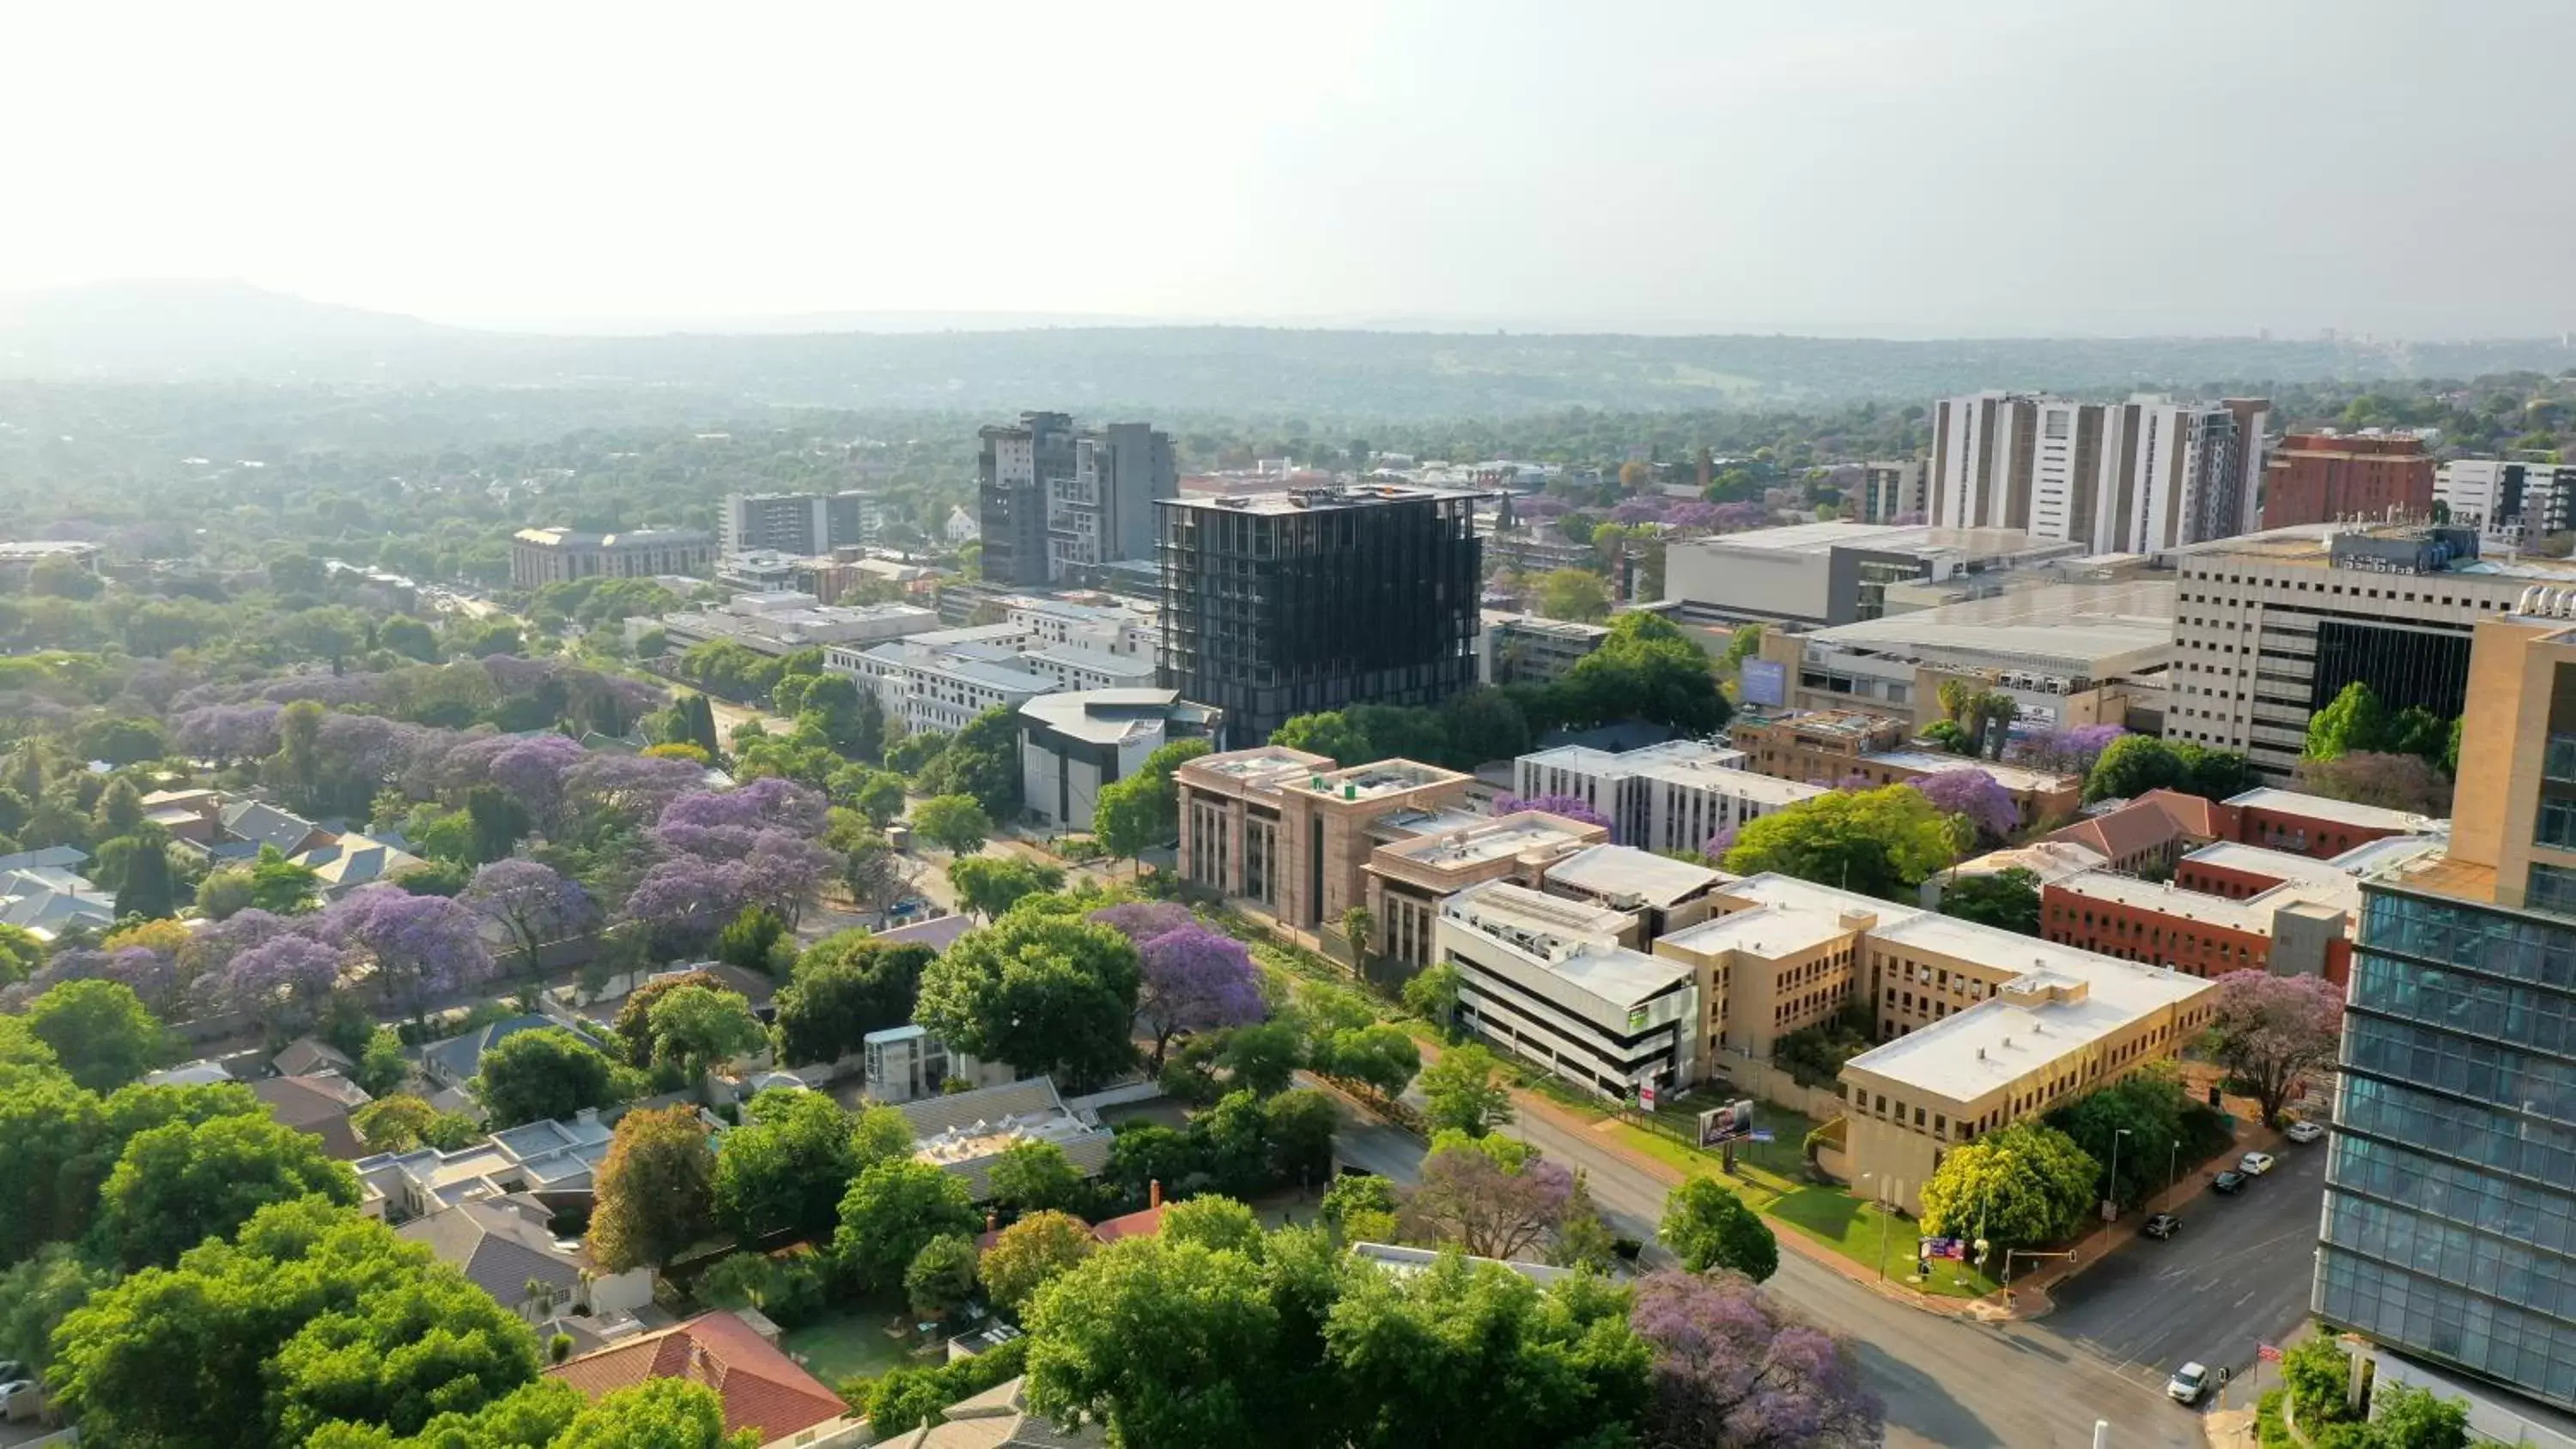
x,y
849,1342
1873,1237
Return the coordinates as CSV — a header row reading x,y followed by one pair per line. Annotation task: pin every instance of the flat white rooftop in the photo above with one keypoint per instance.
x,y
1741,784
1585,760
1767,931
2342,812
2253,914
1622,871
1486,840
2000,1040
1934,762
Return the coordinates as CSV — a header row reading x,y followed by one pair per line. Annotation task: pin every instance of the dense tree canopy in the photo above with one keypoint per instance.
x,y
1046,993
1878,842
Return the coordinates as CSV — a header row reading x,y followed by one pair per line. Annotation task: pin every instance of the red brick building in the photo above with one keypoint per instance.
x,y
2314,826
2320,477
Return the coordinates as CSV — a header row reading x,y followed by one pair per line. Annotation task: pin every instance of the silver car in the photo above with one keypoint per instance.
x,y
2188,1383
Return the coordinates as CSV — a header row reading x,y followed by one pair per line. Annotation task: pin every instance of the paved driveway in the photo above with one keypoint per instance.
x,y
2237,1273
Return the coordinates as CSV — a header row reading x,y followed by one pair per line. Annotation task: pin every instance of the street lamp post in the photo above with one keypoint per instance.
x,y
2173,1167
2113,1196
1877,1189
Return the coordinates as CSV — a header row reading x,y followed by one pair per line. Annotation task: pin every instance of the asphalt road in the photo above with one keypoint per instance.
x,y
1947,1384
2236,1274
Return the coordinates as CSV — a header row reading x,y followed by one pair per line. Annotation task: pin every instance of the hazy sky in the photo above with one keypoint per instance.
x,y
1900,169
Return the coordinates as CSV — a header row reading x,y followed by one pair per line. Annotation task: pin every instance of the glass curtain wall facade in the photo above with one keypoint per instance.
x,y
2450,1211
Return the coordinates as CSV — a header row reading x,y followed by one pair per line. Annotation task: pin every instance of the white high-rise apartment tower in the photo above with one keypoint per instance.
x,y
2129,477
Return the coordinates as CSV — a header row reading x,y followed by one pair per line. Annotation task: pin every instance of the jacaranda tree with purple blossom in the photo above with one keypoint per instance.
x,y
1975,794
722,823
533,770
1492,1197
283,982
630,787
531,902
1571,807
2069,751
1195,979
1732,1371
419,949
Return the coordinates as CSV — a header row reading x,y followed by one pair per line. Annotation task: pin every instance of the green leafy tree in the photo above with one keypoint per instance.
x,y
879,1134
2135,764
1031,1253
1708,1227
280,886
1263,1058
2141,1116
907,1398
405,1124
2006,898
1168,1343
844,986
1328,734
99,1031
2021,1184
785,1168
892,1212
656,1414
1877,842
2405,1417
1033,1176
2353,720
870,870
656,1190
312,1317
1360,1208
989,885
1470,1353
1583,1239
1213,1222
982,761
1465,1091
1575,594
181,1183
875,794
700,1028
1128,816
382,1065
21,952
746,939
954,823
1046,993
542,1075
37,1295
1432,994
941,1277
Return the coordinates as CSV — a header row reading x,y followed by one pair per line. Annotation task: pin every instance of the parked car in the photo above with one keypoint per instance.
x,y
2188,1383
2304,1132
2255,1164
2162,1226
2228,1181
21,1400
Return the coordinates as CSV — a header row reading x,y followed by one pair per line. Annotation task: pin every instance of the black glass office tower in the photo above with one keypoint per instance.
x,y
1288,603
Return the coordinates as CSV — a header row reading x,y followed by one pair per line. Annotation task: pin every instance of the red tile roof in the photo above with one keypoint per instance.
x,y
2155,819
762,1388
1146,1224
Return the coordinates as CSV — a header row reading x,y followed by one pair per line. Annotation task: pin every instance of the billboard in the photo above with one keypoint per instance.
x,y
1764,681
1730,1123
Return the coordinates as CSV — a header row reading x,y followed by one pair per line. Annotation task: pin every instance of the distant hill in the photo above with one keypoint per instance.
x,y
196,330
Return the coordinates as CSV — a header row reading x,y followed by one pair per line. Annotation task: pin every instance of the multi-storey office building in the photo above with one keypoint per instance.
x,y
540,556
1673,796
1055,501
1075,743
2327,477
2129,477
1283,604
2270,627
1408,877
2507,502
1890,493
1551,980
2450,1210
1815,574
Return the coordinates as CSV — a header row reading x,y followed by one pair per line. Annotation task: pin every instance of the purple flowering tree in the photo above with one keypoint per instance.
x,y
1467,1195
784,870
1571,807
2070,751
1195,979
721,824
212,950
1142,921
1637,510
533,770
225,733
1719,844
633,787
1731,1370
284,982
685,900
418,949
1975,794
1691,514
152,975
1740,515
530,902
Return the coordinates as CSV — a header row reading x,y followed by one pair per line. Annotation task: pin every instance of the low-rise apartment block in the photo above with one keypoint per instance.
x,y
1528,649
941,679
1672,796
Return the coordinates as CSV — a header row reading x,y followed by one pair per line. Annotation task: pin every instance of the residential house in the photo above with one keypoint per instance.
x,y
250,825
41,891
455,1061
906,1064
355,860
965,1133
321,1104
557,1156
506,1246
307,1055
998,1418
762,1389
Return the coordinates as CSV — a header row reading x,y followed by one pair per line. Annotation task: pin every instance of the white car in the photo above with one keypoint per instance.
x,y
2188,1383
2254,1164
2303,1132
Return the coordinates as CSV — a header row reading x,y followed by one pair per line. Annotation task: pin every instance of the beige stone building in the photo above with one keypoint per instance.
x,y
1833,746
1408,879
1293,833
